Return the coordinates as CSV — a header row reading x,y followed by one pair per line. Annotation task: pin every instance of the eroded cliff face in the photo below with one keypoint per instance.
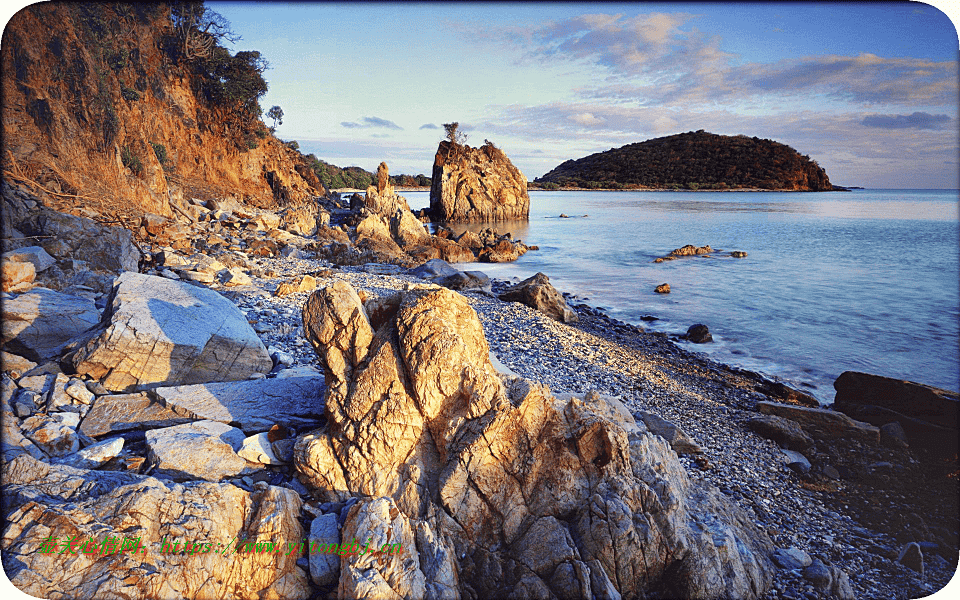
x,y
477,184
97,114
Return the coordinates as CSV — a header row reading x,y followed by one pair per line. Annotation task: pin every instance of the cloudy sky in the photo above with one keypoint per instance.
x,y
868,90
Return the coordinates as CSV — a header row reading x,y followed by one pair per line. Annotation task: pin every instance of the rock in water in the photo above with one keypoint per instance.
x,y
663,288
164,332
476,184
699,334
492,486
537,293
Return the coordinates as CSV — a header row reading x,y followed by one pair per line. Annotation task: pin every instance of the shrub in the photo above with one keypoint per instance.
x,y
161,152
129,94
131,161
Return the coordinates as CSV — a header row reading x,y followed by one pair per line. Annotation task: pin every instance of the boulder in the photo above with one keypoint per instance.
x,y
257,449
698,334
304,283
39,324
16,276
233,277
254,405
691,250
663,288
104,248
171,540
51,434
676,437
465,281
95,455
301,220
537,293
163,332
493,487
324,566
34,255
476,184
927,414
122,412
822,423
14,364
198,450
783,431
434,269
406,229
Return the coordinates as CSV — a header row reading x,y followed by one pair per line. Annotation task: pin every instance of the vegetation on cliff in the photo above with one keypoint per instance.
x,y
693,160
124,107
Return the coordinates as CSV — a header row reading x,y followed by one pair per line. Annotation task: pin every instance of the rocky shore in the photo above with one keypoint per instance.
x,y
727,486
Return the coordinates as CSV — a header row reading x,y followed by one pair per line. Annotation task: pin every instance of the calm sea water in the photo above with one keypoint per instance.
x,y
864,280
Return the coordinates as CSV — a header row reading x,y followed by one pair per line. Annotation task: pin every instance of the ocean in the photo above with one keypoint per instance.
x,y
865,280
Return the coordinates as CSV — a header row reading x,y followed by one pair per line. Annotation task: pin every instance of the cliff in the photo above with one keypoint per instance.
x,y
694,160
476,184
109,107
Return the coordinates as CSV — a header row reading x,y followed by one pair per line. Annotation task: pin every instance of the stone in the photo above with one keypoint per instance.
x,y
797,462
17,277
104,248
39,324
829,580
501,252
233,277
821,423
300,220
780,392
892,435
469,240
434,269
257,448
324,566
691,250
254,405
738,254
14,364
198,276
912,557
927,414
34,255
467,280
537,293
12,441
663,288
783,431
154,224
124,412
698,334
490,484
304,283
77,390
676,437
96,455
180,535
476,184
373,226
51,435
198,450
406,229
164,332
791,558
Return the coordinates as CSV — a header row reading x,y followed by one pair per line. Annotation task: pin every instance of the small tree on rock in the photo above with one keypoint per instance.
x,y
454,135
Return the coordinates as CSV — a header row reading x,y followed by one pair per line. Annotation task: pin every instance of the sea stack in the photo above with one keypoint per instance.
x,y
476,184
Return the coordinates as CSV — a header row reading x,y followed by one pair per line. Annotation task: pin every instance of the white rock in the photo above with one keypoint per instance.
x,y
77,390
95,456
257,448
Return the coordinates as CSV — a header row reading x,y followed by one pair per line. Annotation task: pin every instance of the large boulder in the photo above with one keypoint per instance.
x,y
822,423
39,323
927,414
164,332
537,293
493,487
476,184
68,237
148,538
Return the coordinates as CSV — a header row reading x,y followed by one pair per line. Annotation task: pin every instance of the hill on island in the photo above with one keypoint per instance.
x,y
693,160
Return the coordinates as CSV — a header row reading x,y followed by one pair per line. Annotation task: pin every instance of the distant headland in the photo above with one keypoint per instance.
x,y
693,161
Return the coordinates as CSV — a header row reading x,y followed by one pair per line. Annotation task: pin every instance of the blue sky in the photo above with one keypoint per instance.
x,y
868,90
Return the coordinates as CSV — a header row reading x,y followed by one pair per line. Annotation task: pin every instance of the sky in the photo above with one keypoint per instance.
x,y
869,90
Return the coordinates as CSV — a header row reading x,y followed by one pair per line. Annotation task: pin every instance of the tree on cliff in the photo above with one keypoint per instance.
x,y
275,113
199,29
454,135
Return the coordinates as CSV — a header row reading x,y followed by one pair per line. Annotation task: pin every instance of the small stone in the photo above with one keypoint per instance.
x,y
95,456
79,392
831,472
912,557
791,558
257,448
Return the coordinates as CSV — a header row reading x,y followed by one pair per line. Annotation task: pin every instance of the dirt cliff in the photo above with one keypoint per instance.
x,y
102,110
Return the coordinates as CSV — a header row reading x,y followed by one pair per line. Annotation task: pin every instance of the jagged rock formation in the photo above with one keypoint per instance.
x,y
99,109
507,489
694,160
382,199
476,184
